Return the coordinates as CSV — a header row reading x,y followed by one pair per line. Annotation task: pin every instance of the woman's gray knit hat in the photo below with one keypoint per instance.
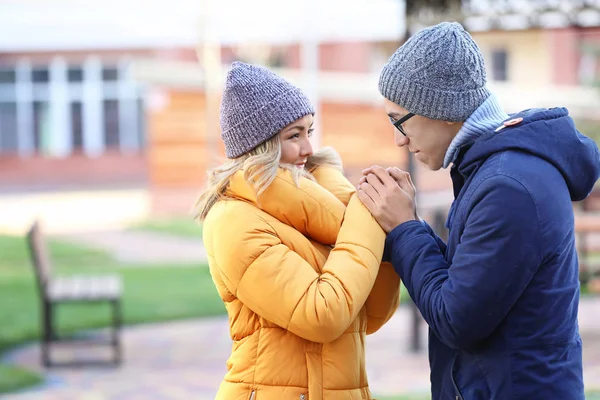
x,y
439,73
256,105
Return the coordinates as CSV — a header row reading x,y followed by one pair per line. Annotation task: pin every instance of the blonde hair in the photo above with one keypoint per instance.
x,y
260,167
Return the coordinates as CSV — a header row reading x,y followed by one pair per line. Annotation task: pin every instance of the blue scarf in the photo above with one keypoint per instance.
x,y
487,117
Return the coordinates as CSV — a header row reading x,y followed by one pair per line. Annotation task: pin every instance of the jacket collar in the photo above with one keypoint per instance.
x,y
310,208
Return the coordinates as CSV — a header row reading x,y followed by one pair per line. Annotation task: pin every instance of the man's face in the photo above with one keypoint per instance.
x,y
427,138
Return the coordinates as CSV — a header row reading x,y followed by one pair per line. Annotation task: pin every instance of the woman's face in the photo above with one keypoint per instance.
x,y
295,141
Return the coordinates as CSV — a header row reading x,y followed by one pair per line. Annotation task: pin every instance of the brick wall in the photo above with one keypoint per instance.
x,y
112,169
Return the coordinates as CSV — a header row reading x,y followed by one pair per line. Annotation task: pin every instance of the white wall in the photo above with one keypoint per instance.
x,y
37,25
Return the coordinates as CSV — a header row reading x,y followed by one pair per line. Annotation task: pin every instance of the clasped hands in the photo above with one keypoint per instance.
x,y
389,194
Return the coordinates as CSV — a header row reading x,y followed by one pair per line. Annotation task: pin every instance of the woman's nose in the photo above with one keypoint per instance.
x,y
306,150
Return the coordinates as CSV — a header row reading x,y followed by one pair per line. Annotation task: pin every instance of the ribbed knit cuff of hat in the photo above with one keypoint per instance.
x,y
258,127
430,102
439,73
487,117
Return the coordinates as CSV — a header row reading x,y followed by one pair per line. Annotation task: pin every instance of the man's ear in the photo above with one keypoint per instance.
x,y
456,126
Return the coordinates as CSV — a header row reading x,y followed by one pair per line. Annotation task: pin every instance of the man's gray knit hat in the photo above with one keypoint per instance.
x,y
439,73
256,105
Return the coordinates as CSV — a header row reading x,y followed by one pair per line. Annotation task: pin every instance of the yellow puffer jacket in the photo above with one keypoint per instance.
x,y
299,307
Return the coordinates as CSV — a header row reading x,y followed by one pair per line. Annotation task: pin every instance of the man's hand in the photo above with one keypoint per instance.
x,y
389,195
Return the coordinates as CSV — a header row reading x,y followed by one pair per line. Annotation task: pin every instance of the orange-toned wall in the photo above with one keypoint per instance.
x,y
361,134
112,169
180,150
177,151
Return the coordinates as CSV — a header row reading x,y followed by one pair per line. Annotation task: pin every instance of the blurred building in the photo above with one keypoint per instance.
x,y
540,53
117,94
112,94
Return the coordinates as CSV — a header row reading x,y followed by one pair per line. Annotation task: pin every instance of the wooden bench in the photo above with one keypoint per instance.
x,y
55,290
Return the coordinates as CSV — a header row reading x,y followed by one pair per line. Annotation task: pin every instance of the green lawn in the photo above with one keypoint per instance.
x,y
594,395
13,378
185,227
151,294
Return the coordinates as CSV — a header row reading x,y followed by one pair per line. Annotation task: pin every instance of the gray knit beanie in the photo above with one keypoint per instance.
x,y
438,73
256,105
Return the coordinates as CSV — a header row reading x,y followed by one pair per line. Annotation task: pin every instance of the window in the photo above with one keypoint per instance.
x,y
75,74
8,128
7,75
110,74
141,127
500,65
77,125
41,125
40,75
63,108
111,123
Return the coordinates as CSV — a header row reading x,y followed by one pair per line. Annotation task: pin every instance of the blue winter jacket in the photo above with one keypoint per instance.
x,y
501,297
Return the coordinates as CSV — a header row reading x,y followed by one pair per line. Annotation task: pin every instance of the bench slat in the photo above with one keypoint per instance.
x,y
72,288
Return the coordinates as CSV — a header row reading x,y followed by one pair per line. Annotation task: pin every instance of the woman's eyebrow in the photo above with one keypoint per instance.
x,y
300,127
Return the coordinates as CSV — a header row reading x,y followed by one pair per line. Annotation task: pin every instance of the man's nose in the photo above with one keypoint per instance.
x,y
400,139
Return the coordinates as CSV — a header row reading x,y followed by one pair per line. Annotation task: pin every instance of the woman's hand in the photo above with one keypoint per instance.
x,y
389,195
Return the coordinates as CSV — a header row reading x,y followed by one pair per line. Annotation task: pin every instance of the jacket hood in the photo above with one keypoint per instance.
x,y
549,134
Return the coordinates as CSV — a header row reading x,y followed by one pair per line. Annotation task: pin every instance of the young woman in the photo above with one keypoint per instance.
x,y
294,254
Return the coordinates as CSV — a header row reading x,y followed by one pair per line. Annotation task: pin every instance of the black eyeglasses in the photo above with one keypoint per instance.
x,y
398,124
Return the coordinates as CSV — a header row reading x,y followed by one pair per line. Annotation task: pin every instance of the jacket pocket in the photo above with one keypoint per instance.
x,y
468,379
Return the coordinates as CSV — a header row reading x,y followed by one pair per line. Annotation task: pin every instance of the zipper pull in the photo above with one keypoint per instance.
x,y
252,395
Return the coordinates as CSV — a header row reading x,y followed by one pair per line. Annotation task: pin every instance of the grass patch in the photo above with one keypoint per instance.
x,y
589,128
584,290
404,296
184,227
594,395
151,294
14,378
405,397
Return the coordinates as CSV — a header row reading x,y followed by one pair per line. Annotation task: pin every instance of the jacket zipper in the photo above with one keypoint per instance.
x,y
253,395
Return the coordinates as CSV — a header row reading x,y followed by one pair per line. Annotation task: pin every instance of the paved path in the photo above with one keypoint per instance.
x,y
140,247
145,247
186,360
73,211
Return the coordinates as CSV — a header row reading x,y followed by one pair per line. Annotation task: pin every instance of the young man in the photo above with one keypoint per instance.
x,y
501,297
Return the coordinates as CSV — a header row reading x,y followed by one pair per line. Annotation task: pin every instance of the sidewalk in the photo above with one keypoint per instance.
x,y
139,247
186,360
73,211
